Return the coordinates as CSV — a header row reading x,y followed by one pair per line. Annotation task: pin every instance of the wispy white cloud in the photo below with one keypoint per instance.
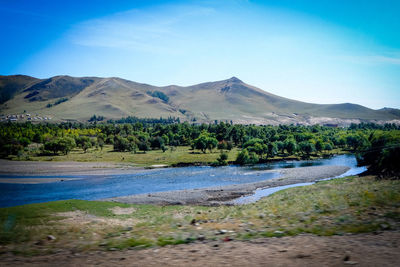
x,y
387,59
155,31
392,58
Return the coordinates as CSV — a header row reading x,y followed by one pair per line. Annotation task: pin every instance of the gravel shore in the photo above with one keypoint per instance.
x,y
48,168
220,195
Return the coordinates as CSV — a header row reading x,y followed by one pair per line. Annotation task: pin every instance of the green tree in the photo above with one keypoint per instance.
x,y
222,159
211,143
156,142
66,144
244,157
122,144
319,145
63,144
229,145
201,143
280,146
290,146
144,146
256,146
100,141
86,145
272,149
382,155
356,141
51,145
328,147
205,141
306,148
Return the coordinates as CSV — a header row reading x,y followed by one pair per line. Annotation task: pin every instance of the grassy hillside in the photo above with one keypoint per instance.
x,y
12,85
229,99
58,86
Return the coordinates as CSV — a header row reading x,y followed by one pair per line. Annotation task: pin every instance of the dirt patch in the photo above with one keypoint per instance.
x,y
34,180
81,218
122,211
303,250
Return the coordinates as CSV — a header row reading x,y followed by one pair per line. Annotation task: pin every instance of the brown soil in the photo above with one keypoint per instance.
x,y
305,250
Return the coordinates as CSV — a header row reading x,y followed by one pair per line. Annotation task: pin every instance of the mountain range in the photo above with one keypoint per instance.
x,y
65,98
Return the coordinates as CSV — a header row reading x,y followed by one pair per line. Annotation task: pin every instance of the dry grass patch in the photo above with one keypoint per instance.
x,y
122,211
82,218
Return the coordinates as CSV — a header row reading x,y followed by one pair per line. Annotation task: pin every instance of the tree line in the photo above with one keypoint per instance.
x,y
255,143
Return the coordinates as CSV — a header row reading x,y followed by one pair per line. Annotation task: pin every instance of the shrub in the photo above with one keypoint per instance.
x,y
244,157
383,154
222,159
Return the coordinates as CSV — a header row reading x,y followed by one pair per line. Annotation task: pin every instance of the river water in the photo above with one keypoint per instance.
x,y
148,181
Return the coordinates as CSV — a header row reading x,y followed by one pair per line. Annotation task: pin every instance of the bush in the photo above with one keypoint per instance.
x,y
244,157
290,146
229,145
222,159
306,148
159,95
382,155
204,142
62,144
144,146
121,144
222,145
156,142
328,147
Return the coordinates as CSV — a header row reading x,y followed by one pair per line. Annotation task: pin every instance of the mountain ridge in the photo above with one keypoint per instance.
x,y
113,97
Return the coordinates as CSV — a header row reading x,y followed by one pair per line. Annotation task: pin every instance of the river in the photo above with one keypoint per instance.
x,y
148,181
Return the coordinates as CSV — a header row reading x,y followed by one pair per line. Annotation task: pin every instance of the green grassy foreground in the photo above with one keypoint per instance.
x,y
348,205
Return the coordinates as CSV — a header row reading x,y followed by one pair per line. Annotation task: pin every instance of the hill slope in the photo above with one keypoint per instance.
x,y
11,85
70,98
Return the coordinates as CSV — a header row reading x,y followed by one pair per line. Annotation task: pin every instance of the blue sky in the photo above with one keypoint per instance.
x,y
314,51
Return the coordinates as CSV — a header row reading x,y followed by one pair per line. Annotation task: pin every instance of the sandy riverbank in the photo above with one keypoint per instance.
x,y
48,168
222,194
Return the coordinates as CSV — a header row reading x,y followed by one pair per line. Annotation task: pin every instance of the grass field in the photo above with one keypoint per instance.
x,y
179,155
348,205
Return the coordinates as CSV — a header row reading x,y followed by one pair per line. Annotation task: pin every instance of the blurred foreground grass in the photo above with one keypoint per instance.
x,y
348,205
